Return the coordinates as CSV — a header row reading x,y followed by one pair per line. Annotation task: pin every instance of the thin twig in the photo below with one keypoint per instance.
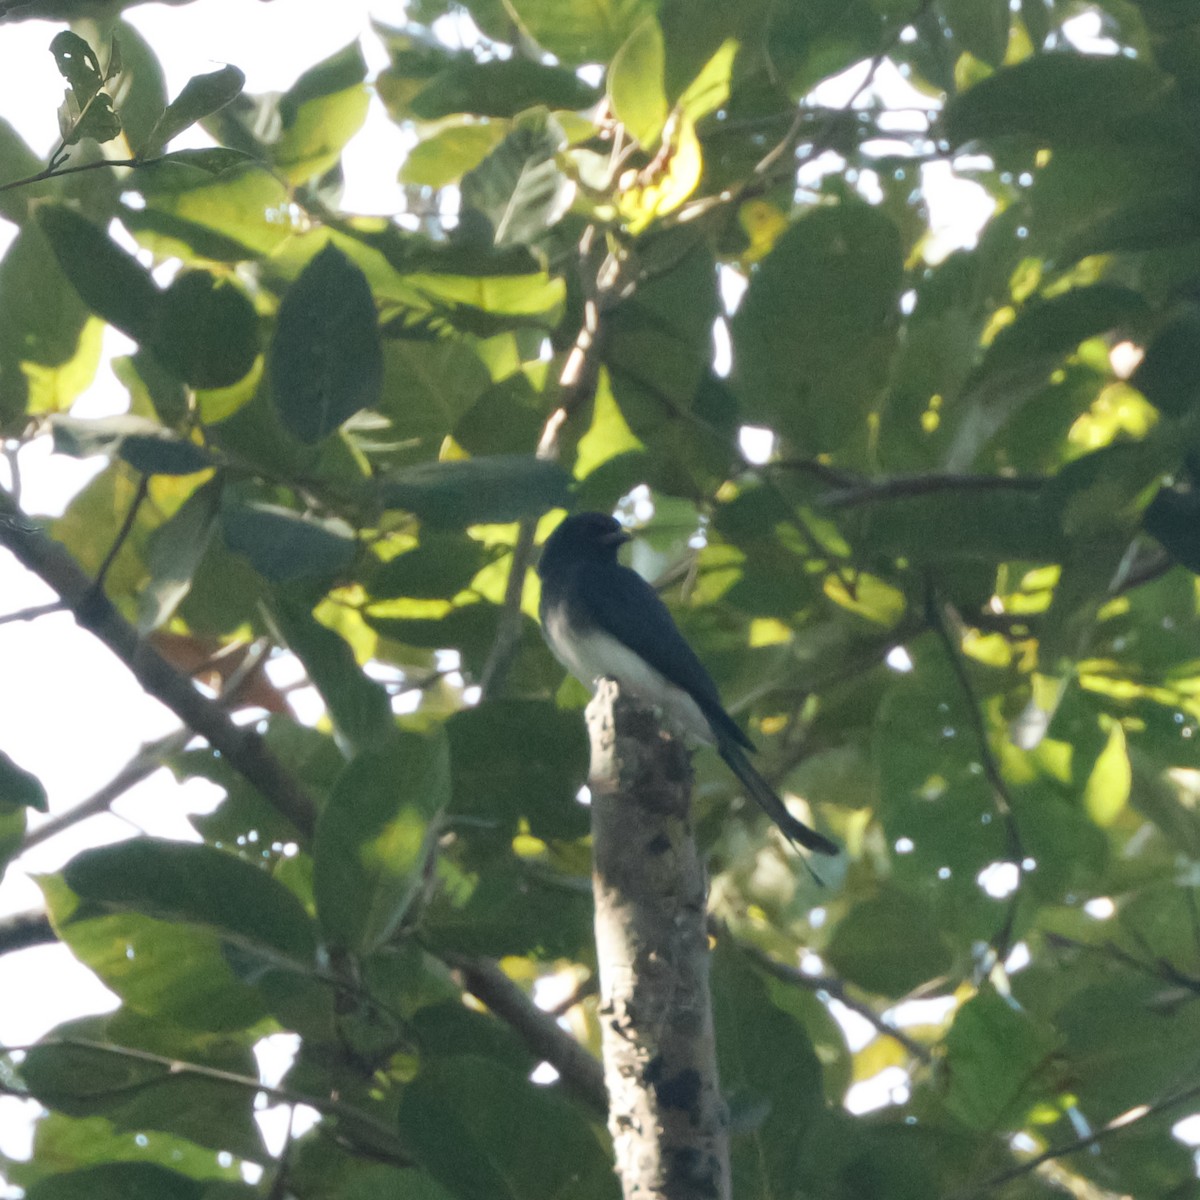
x,y
53,172
582,1074
143,764
175,1067
907,487
245,749
139,498
832,987
1124,1121
33,612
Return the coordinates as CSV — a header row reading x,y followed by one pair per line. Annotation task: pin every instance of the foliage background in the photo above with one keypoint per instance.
x,y
330,453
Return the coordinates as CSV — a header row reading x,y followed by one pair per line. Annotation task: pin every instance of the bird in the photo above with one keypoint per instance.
x,y
604,621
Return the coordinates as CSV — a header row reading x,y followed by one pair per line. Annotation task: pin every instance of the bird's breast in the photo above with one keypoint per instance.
x,y
590,654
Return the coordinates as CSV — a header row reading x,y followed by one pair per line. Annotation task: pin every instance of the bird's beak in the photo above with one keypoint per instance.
x,y
617,538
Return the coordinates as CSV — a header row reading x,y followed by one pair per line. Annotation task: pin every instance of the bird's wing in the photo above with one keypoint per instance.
x,y
620,602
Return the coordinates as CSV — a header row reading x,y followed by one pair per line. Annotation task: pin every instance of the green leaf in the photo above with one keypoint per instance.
x,y
979,26
118,1181
62,1143
1057,100
446,156
812,360
769,1073
177,972
579,31
428,386
282,545
321,112
110,282
174,552
86,111
326,362
440,567
151,388
520,759
994,1054
889,944
18,788
635,84
192,884
519,187
374,837
145,446
481,1130
1169,373
135,1094
473,491
201,95
499,88
207,331
78,64
359,706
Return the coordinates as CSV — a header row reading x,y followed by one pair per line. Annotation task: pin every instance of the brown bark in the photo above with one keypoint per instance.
x,y
668,1122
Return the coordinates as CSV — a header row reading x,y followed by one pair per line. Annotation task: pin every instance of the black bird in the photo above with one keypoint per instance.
x,y
604,621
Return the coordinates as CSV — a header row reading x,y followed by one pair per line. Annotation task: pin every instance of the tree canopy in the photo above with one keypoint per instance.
x,y
949,585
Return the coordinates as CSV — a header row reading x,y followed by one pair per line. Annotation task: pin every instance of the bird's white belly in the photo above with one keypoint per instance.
x,y
596,655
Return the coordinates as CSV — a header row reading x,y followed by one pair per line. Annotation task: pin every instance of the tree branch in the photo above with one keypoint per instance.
x,y
668,1121
833,987
22,930
539,1030
244,749
174,1066
33,612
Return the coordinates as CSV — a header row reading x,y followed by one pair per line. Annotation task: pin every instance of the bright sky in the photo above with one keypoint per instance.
x,y
69,712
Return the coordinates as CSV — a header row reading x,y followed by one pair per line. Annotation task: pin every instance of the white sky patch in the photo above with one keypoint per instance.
x,y
1101,908
756,443
1084,32
958,210
999,879
899,659
891,1086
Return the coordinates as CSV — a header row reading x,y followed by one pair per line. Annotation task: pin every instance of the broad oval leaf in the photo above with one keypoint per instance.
x,y
113,284
117,1181
474,491
326,361
283,545
374,836
814,336
19,788
201,95
207,331
197,885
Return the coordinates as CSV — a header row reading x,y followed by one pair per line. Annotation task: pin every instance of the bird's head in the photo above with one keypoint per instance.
x,y
588,536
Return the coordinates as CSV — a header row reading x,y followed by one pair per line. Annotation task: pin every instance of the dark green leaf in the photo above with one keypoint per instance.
x,y
500,88
374,837
192,884
519,187
481,1131
441,566
811,360
359,706
1169,374
979,26
18,788
515,759
994,1053
201,95
1057,100
889,944
207,332
769,1074
283,545
118,1181
136,1094
175,550
109,281
78,64
326,362
151,388
145,446
493,489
